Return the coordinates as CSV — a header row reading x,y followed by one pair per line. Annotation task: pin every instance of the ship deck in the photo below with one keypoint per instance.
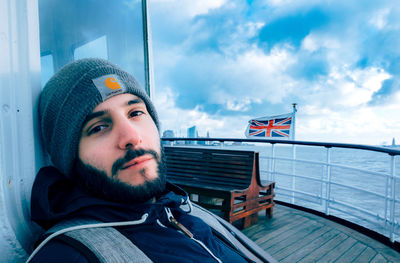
x,y
297,236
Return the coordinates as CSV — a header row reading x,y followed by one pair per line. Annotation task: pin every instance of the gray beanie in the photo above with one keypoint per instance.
x,y
71,95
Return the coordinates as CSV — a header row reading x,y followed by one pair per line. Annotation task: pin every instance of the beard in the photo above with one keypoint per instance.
x,y
97,183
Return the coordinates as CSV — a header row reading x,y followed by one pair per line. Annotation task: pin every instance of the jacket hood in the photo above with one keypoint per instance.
x,y
55,198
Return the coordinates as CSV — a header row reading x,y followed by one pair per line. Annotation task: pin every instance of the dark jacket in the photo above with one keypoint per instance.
x,y
55,198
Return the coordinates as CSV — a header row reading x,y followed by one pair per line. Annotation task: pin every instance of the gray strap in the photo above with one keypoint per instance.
x,y
102,239
109,245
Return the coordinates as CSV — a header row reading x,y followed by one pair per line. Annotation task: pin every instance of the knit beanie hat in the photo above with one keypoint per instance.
x,y
71,95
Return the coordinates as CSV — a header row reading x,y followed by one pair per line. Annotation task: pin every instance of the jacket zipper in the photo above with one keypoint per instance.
x,y
187,233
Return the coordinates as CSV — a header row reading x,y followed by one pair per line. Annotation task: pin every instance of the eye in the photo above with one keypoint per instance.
x,y
96,129
135,113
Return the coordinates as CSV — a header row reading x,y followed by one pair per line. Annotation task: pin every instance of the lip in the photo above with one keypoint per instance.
x,y
137,162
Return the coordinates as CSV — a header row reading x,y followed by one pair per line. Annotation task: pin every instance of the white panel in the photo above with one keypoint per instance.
x,y
19,88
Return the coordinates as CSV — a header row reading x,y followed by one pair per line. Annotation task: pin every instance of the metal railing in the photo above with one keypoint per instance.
x,y
357,183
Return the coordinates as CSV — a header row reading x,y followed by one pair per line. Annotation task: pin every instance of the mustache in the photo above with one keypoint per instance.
x,y
129,156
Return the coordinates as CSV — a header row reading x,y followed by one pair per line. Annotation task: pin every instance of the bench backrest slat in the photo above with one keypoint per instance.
x,y
218,167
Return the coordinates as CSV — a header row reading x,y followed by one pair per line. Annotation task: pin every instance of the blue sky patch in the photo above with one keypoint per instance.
x,y
292,28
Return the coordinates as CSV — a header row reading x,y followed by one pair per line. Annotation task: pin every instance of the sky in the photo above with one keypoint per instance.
x,y
220,63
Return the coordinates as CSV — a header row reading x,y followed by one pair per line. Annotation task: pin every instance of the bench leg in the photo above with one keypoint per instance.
x,y
269,212
227,210
250,220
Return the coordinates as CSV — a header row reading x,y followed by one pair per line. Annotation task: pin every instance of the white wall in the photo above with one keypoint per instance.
x,y
19,89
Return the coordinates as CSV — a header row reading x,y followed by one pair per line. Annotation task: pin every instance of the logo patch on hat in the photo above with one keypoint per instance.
x,y
109,85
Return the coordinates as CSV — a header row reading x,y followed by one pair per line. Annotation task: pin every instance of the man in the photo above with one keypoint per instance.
x,y
106,198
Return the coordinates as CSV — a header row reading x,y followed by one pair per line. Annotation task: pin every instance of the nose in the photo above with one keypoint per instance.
x,y
128,134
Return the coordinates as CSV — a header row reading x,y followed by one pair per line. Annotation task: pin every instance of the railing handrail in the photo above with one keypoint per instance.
x,y
327,202
382,149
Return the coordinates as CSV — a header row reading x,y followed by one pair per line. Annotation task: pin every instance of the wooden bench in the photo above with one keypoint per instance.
x,y
230,176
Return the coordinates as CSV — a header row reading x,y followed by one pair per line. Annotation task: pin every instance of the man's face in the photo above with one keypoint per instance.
x,y
120,139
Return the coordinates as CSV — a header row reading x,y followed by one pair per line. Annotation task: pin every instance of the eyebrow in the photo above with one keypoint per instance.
x,y
135,101
94,115
97,114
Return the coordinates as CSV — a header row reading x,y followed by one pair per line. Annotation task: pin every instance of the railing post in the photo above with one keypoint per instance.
x,y
392,197
272,166
387,199
293,171
328,180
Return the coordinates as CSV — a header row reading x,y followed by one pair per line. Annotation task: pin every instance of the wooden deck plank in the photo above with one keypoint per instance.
x,y
366,256
279,220
378,259
339,250
274,237
260,230
276,223
293,235
324,249
389,254
298,245
352,253
262,238
309,248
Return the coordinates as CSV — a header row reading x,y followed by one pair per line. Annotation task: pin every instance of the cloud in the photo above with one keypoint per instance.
x,y
188,9
213,79
380,18
349,88
364,125
229,61
179,120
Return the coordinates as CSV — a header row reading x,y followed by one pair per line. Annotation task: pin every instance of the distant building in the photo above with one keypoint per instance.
x,y
207,142
192,133
168,134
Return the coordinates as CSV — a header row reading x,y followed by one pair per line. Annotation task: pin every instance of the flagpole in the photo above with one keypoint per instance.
x,y
294,118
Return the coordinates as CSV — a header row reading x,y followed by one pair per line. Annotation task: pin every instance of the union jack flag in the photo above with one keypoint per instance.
x,y
278,127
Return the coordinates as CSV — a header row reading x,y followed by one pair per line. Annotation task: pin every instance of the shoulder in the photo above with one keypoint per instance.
x,y
59,251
